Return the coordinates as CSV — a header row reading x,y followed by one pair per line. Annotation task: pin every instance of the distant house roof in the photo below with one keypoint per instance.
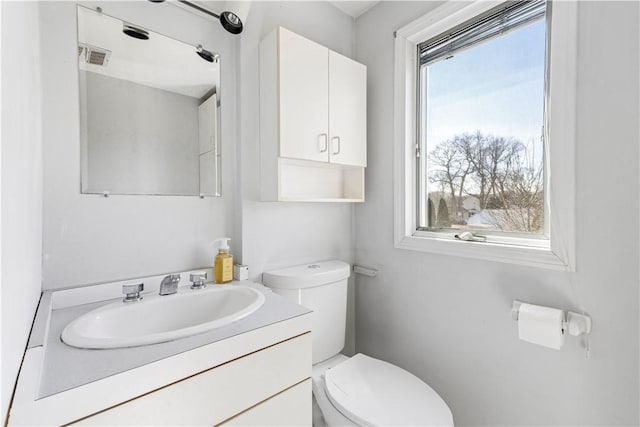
x,y
500,219
484,218
471,203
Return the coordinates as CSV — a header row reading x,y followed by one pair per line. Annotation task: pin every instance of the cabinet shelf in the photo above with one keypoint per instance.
x,y
302,180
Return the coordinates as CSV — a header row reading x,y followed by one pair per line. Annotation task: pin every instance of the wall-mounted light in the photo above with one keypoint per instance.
x,y
135,32
205,54
232,18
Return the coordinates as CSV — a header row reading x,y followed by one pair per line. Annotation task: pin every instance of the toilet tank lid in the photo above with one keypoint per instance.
x,y
307,275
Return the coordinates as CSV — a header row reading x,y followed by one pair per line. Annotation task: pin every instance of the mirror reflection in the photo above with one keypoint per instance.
x,y
149,111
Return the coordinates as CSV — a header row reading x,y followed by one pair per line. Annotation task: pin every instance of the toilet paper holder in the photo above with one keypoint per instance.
x,y
574,323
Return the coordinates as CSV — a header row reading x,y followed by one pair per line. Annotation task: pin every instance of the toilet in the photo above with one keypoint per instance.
x,y
358,390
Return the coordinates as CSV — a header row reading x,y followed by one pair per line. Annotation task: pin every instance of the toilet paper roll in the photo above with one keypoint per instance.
x,y
541,325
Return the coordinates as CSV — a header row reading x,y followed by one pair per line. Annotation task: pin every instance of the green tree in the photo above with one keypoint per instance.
x,y
431,212
443,219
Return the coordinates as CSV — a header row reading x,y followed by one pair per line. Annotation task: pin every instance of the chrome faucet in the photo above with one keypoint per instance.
x,y
169,284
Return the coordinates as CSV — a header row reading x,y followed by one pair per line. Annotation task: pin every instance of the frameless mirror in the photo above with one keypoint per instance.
x,y
149,111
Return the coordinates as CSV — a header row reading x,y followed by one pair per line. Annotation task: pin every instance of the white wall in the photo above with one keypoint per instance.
x,y
447,319
89,238
21,185
276,235
147,142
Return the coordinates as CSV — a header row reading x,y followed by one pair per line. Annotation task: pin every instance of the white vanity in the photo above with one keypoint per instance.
x,y
253,371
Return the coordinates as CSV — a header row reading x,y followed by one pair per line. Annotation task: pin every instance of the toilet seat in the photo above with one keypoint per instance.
x,y
369,391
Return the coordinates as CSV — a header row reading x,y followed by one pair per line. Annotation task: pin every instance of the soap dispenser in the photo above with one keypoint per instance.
x,y
223,263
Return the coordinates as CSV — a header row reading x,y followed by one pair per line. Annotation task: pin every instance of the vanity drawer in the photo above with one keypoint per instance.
x,y
220,393
291,407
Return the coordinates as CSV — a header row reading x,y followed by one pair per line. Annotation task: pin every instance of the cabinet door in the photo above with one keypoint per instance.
x,y
304,98
347,111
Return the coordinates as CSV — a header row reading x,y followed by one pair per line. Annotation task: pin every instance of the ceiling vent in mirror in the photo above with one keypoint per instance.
x,y
94,55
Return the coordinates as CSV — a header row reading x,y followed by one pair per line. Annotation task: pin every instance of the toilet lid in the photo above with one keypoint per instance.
x,y
372,392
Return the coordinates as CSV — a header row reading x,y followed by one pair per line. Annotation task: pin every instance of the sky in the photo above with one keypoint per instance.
x,y
496,87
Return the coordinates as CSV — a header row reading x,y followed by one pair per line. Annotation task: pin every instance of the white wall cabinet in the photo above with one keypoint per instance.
x,y
312,121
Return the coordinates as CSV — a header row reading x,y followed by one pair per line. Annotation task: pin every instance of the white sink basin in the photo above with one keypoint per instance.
x,y
158,319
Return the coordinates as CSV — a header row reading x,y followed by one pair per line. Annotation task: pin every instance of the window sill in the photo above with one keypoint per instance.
x,y
520,255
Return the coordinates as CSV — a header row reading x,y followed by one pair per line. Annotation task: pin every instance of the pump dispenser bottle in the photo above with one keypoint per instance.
x,y
223,263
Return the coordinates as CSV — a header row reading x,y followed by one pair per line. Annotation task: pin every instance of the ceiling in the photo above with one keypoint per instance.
x,y
354,8
159,62
351,8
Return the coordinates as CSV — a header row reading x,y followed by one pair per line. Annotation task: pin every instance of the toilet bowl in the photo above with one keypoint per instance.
x,y
358,390
363,391
328,413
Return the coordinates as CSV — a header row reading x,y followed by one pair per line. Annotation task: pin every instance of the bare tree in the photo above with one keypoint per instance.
x,y
447,170
503,173
523,193
451,167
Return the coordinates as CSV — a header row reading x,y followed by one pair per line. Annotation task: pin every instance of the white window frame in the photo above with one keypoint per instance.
x,y
558,252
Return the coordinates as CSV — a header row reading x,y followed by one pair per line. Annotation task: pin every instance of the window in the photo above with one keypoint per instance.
x,y
481,104
484,117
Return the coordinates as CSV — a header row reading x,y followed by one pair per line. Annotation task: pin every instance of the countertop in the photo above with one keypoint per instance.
x,y
66,367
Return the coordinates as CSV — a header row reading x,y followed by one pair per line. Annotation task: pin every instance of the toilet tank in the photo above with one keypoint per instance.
x,y
321,287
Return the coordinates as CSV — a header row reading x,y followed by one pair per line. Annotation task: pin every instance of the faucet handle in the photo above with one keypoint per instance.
x,y
132,291
198,278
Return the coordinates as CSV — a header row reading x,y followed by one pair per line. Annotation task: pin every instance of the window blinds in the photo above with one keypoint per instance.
x,y
504,19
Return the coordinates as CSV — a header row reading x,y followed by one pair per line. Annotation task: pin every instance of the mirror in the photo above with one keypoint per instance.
x,y
149,111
